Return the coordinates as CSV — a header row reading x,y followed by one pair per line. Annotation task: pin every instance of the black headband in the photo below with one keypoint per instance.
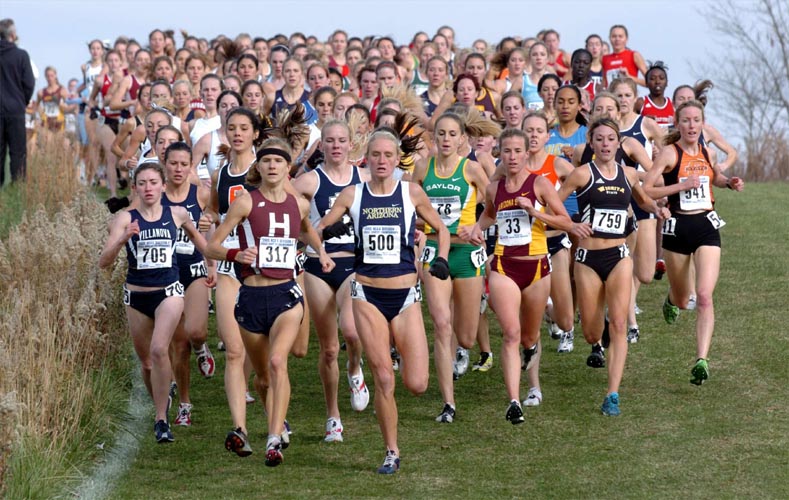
x,y
273,151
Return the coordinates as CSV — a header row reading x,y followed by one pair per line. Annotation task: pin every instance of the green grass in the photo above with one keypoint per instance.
x,y
728,438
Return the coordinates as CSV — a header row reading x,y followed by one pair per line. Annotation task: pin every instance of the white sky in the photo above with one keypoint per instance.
x,y
55,32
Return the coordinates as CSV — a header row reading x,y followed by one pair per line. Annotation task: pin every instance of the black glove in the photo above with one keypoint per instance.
x,y
336,230
315,159
440,268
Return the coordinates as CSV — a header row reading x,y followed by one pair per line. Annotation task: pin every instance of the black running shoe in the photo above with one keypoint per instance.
x,y
606,335
236,441
597,358
514,413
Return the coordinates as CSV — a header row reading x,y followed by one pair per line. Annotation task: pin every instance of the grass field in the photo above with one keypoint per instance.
x,y
728,438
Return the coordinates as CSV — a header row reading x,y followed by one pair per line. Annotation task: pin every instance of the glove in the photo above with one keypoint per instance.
x,y
315,159
336,230
440,268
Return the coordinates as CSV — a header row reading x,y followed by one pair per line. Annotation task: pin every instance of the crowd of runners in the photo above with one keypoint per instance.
x,y
287,179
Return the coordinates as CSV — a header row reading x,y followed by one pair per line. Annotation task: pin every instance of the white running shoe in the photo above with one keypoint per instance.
x,y
360,396
566,342
333,431
534,398
460,366
250,398
692,303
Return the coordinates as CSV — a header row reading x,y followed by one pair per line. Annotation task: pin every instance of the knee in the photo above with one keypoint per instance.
x,y
278,364
417,386
384,381
617,325
299,351
511,336
329,353
703,300
196,334
159,353
234,354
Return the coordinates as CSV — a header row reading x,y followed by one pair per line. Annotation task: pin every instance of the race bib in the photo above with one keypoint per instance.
x,y
699,198
183,245
514,227
448,208
479,257
198,269
381,244
232,239
428,254
154,254
609,221
174,290
715,220
276,253
202,170
670,226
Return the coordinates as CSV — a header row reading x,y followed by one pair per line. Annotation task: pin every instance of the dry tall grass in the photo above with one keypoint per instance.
x,y
61,325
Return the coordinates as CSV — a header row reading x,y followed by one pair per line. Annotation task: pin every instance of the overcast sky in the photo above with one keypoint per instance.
x,y
55,32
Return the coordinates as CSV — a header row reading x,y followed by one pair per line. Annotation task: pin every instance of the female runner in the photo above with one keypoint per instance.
x,y
604,271
228,182
622,62
329,293
547,87
268,220
196,274
518,290
152,293
454,186
691,236
385,289
206,158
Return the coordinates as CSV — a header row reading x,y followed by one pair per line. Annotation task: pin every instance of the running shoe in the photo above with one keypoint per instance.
x,y
660,269
534,398
211,309
632,334
514,413
527,356
670,311
184,417
205,362
391,463
597,358
610,405
237,442
333,431
460,366
637,310
274,452
485,362
221,346
163,433
700,372
249,398
360,395
691,303
483,303
285,436
553,328
566,342
447,415
395,358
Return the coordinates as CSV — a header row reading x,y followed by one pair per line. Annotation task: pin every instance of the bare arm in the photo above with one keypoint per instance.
x,y
121,228
714,137
427,213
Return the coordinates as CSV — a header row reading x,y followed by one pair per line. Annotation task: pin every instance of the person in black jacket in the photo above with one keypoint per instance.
x,y
16,89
